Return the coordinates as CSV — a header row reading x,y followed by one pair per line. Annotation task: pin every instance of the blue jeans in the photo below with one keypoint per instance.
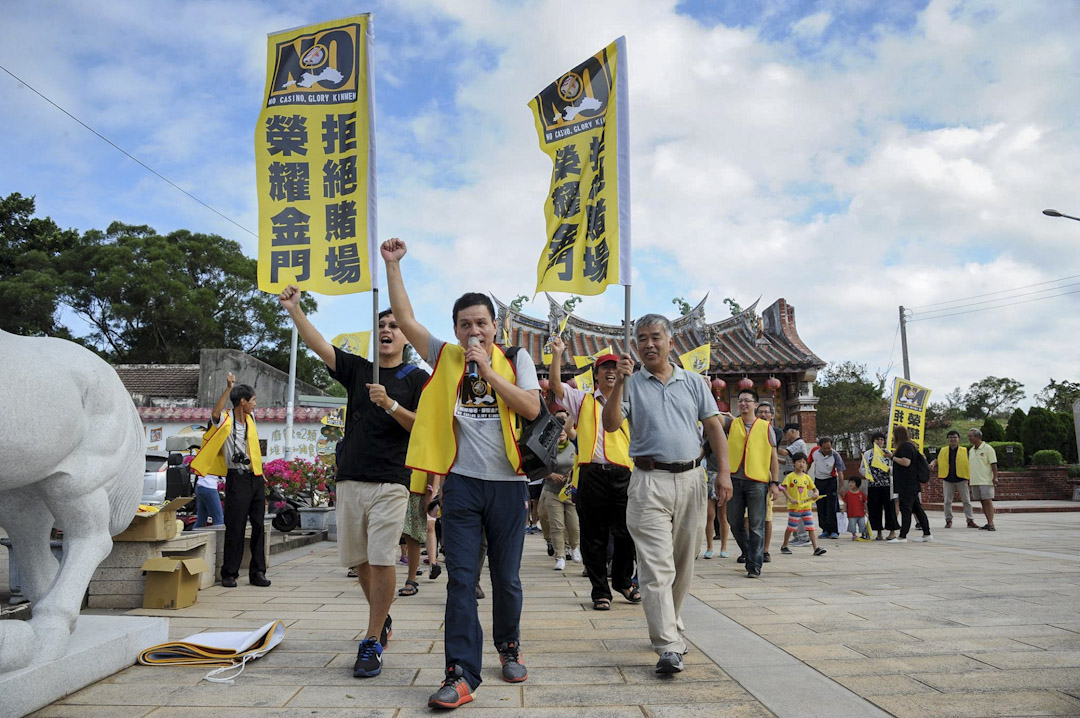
x,y
748,496
471,509
208,503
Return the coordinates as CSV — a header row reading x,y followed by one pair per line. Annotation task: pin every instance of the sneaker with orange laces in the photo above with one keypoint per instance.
x,y
513,670
454,692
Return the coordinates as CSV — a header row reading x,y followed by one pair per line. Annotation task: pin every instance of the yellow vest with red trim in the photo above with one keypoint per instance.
x,y
211,461
616,445
963,471
433,440
755,451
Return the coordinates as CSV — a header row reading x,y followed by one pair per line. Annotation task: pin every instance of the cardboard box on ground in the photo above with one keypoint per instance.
x,y
172,582
159,527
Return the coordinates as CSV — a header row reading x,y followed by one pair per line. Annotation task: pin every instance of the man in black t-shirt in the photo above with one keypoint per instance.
x,y
372,480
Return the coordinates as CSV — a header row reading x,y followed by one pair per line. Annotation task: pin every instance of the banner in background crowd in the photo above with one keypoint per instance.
x,y
591,359
358,343
908,409
315,159
585,381
698,359
583,124
547,344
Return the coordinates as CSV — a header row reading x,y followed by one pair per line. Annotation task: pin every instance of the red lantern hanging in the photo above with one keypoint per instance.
x,y
718,385
723,406
746,383
772,384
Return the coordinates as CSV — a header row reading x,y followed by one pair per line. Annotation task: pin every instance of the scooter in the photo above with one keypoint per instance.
x,y
288,509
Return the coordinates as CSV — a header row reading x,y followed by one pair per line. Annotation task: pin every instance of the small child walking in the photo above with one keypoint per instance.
x,y
855,501
801,495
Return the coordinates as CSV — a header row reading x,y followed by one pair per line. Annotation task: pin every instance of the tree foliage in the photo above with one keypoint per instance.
x,y
851,403
1042,430
147,298
991,430
992,396
30,254
1015,428
1068,447
1058,395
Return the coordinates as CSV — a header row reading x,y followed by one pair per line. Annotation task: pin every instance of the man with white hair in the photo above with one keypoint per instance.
x,y
983,470
666,496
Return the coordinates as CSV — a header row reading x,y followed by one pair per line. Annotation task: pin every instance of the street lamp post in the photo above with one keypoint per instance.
x,y
1055,213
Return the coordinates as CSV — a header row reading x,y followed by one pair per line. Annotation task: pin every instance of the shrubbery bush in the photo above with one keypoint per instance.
x,y
992,430
1047,457
1005,459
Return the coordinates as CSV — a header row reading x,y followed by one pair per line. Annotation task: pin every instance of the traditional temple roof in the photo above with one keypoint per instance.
x,y
745,343
161,380
201,415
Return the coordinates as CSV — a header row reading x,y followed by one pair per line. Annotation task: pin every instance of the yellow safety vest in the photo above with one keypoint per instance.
x,y
433,440
962,469
755,451
211,461
616,445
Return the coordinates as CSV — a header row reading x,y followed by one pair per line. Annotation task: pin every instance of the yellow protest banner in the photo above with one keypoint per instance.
x,y
586,361
908,409
358,343
582,122
585,381
315,159
697,360
547,344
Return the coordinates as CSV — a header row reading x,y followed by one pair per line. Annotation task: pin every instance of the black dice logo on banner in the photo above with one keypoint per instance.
x,y
287,134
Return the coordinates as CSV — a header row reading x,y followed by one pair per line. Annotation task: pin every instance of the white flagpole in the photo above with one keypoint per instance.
x,y
291,398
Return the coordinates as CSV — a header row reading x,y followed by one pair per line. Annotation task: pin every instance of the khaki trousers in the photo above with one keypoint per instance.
x,y
950,489
663,514
562,520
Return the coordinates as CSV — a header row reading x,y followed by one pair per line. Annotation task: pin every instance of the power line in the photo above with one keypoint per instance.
x,y
999,306
989,294
999,299
129,155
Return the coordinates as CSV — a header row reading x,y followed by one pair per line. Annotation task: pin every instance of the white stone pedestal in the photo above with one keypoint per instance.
x,y
99,647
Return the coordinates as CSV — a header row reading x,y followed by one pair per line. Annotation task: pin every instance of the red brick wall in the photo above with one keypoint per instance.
x,y
808,426
1034,484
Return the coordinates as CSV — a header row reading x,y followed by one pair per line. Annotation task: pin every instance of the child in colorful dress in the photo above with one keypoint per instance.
x,y
801,495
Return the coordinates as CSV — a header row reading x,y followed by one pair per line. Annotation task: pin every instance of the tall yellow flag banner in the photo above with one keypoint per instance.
x,y
697,359
909,402
583,124
315,159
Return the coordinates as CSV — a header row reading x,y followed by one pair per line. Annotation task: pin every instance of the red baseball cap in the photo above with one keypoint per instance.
x,y
603,358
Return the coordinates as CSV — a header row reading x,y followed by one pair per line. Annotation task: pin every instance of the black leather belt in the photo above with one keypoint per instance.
x,y
646,463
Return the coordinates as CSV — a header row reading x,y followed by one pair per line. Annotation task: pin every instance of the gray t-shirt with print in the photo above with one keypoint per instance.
x,y
235,441
481,453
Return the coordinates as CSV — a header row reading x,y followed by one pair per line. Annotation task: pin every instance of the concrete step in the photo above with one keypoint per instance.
x,y
279,542
1011,507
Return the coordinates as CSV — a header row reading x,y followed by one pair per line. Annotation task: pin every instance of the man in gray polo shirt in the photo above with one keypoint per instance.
x,y
667,493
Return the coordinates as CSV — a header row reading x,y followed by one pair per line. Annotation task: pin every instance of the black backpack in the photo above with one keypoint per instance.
x,y
539,439
922,467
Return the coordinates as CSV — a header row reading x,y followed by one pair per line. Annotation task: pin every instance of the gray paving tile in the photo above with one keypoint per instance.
x,y
981,705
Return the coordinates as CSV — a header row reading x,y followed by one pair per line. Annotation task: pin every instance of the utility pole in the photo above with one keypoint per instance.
x,y
903,342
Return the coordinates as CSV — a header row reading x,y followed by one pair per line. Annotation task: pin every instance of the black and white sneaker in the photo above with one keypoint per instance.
x,y
368,659
669,662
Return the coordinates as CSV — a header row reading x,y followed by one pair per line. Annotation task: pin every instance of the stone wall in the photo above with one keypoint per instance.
x,y
271,385
1041,483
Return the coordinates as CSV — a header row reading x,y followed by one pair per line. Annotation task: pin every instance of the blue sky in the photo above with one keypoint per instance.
x,y
850,156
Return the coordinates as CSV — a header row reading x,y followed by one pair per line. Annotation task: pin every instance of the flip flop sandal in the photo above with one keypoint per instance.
x,y
411,589
601,604
630,594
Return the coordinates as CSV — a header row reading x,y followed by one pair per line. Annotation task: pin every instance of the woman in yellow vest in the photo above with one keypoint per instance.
x,y
231,449
467,425
952,468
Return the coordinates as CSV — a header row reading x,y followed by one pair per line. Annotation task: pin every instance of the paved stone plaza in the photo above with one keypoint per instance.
x,y
976,624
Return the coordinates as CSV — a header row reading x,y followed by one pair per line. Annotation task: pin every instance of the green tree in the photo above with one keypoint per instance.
x,y
1015,428
954,404
1042,430
1058,395
683,305
992,396
1068,442
154,299
991,430
30,284
850,404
